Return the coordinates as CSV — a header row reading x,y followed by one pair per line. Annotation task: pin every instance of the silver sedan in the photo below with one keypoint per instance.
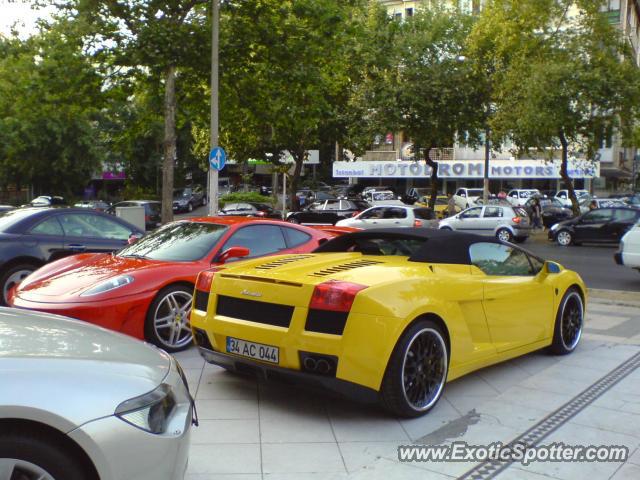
x,y
388,216
78,402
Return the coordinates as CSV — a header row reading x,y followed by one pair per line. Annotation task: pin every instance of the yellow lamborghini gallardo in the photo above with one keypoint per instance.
x,y
386,315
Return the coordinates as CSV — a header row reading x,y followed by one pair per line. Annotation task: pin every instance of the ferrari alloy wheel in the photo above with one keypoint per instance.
x,y
13,277
504,235
417,371
564,238
167,324
569,323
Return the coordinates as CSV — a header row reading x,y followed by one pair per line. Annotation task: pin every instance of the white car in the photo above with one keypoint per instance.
x,y
506,223
392,216
382,197
563,196
84,403
467,197
628,254
519,196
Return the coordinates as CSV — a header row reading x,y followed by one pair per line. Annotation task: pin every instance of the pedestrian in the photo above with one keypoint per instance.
x,y
451,205
536,214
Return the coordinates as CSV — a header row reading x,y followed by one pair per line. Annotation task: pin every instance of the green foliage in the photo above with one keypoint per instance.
x,y
136,192
244,197
50,101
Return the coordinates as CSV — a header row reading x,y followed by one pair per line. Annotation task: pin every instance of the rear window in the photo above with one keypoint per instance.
x,y
521,212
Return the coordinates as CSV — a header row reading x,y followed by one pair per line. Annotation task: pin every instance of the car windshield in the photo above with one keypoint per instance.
x,y
178,242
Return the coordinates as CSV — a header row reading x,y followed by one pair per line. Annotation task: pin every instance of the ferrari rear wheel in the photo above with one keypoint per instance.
x,y
167,324
417,371
569,323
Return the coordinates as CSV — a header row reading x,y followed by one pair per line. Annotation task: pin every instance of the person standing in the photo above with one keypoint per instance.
x,y
536,213
451,205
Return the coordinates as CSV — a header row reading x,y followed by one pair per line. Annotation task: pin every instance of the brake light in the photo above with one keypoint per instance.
x,y
516,219
417,223
335,295
205,279
147,218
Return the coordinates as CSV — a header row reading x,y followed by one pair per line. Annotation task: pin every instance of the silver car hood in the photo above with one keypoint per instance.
x,y
70,370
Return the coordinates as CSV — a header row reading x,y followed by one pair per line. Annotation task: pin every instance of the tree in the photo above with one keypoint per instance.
x,y
284,74
428,90
50,102
563,76
158,39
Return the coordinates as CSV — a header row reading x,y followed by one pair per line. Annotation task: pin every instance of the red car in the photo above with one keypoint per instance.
x,y
145,289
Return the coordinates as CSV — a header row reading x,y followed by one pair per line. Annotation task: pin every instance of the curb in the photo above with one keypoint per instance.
x,y
615,297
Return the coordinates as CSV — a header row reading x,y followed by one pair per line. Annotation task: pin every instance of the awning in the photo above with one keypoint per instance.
x,y
614,173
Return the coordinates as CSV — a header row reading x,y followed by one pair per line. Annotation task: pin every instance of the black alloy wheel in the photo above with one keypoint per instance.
x,y
569,323
417,371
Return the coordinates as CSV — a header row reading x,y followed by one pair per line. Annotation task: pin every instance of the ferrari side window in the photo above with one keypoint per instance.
x,y
498,259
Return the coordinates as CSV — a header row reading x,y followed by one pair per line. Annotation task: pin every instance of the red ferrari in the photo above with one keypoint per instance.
x,y
145,289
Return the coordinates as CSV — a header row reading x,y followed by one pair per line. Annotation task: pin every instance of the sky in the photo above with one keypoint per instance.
x,y
19,11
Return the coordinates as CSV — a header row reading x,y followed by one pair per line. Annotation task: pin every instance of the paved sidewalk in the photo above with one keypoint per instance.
x,y
251,431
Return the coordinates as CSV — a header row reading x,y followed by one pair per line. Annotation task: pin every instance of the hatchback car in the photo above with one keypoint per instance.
x,y
188,198
518,197
152,210
601,225
31,237
328,212
506,223
392,216
467,197
79,402
629,253
250,209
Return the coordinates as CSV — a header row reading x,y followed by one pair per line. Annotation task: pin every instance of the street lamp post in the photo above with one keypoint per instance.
x,y
215,38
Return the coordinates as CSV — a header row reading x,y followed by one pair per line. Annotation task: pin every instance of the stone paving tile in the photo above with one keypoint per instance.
x,y
627,472
227,409
573,434
306,476
510,415
302,458
226,431
635,457
231,476
354,426
609,420
522,473
438,417
221,458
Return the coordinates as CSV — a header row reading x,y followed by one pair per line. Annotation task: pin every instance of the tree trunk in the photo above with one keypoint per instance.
x,y
564,173
169,143
434,176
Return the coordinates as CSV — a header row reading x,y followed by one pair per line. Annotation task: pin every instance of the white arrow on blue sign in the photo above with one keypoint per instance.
x,y
217,158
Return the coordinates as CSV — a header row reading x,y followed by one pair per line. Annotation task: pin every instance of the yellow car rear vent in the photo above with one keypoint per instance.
x,y
281,261
344,267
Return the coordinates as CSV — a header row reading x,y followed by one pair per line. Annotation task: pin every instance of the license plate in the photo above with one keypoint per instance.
x,y
257,351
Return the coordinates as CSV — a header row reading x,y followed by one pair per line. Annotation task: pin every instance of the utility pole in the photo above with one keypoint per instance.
x,y
215,37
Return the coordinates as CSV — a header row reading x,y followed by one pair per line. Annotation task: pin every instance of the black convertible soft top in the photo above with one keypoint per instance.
x,y
440,246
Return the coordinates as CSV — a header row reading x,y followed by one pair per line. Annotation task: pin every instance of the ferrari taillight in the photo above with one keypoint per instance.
x,y
205,279
335,296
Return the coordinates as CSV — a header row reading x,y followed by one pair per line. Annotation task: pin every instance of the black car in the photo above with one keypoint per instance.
x,y
552,211
250,209
152,211
328,212
31,237
600,225
188,198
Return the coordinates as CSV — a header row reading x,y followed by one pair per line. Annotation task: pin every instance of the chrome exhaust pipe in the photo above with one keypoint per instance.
x,y
310,364
322,366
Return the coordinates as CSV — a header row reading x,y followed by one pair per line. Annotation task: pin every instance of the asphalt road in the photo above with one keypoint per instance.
x,y
595,264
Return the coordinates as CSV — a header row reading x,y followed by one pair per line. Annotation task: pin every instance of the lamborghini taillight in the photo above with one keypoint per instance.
x,y
335,296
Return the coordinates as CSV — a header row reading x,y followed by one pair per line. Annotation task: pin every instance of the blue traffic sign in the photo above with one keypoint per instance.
x,y
217,158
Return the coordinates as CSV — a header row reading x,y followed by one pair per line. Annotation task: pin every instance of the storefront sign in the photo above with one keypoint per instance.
x,y
498,169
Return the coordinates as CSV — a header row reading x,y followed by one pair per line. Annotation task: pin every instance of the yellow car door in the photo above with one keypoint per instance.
x,y
518,297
